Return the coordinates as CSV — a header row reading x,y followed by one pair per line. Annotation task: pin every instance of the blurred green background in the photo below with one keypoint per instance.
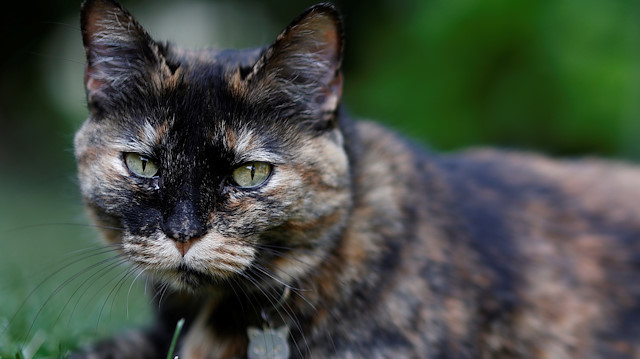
x,y
557,76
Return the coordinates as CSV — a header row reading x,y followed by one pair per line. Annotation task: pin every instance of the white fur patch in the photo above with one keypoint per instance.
x,y
142,144
249,147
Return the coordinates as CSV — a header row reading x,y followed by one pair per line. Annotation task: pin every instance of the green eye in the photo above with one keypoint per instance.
x,y
140,165
251,174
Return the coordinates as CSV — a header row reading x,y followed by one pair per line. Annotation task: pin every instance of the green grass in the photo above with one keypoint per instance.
x,y
57,290
176,334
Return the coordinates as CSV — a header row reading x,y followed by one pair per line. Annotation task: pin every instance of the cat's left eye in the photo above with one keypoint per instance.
x,y
140,165
252,174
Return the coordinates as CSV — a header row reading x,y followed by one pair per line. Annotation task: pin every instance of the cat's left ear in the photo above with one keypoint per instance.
x,y
304,62
121,56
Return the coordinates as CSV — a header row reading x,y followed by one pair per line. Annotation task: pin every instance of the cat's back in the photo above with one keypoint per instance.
x,y
525,254
562,238
559,241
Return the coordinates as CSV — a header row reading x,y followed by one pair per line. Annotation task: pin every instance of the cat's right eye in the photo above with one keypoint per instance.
x,y
140,165
252,174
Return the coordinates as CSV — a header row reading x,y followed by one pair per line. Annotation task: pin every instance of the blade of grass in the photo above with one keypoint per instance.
x,y
33,346
176,334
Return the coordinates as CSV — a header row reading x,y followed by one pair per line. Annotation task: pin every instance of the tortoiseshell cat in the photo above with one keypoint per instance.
x,y
234,178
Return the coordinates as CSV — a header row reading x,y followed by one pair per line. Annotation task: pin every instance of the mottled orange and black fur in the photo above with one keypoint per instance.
x,y
387,250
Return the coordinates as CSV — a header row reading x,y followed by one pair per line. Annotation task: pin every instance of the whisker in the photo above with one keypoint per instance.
x,y
329,312
141,271
289,311
56,224
65,261
299,292
273,302
130,273
280,254
104,273
100,272
232,281
83,254
42,282
295,290
283,251
86,270
146,286
116,288
264,263
160,292
263,270
59,288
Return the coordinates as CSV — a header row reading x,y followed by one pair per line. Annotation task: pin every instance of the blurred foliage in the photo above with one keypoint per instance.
x,y
59,288
561,76
558,76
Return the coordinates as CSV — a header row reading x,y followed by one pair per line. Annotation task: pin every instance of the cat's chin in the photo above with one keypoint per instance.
x,y
187,279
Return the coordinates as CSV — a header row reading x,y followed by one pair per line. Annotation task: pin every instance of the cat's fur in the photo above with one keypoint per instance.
x,y
389,251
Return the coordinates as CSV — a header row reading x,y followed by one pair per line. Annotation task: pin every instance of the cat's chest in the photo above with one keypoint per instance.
x,y
203,341
206,340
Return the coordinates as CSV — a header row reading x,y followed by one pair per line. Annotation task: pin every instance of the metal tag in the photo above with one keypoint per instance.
x,y
268,343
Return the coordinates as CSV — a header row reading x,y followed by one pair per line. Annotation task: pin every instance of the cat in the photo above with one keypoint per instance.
x,y
262,212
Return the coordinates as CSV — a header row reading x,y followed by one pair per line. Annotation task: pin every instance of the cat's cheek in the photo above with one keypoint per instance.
x,y
108,225
324,169
156,253
103,176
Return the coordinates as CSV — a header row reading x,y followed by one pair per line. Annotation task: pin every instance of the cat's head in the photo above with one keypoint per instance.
x,y
210,165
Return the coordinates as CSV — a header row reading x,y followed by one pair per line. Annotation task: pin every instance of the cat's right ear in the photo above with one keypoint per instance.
x,y
303,64
120,54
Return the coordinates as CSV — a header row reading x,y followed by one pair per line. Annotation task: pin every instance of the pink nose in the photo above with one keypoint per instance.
x,y
184,246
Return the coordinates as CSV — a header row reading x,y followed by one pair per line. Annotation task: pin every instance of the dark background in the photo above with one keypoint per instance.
x,y
556,76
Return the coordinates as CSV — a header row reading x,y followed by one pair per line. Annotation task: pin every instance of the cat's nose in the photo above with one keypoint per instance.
x,y
183,225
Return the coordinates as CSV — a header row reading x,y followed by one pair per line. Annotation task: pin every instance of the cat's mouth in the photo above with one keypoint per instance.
x,y
185,277
207,261
188,277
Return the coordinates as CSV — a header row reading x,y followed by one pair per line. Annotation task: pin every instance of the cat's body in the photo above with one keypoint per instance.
x,y
387,250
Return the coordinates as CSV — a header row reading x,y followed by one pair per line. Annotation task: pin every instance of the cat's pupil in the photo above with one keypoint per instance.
x,y
144,163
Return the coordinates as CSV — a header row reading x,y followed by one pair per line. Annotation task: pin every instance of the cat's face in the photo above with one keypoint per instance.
x,y
210,165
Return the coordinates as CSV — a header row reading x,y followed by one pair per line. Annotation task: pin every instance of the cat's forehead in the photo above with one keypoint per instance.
x,y
212,134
